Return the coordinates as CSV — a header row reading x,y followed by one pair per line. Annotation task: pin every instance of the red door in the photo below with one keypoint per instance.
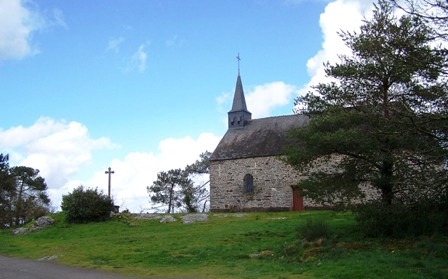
x,y
297,199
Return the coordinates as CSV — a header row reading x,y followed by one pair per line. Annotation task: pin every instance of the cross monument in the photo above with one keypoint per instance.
x,y
109,172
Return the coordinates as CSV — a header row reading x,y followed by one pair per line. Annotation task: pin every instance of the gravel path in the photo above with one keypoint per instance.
x,y
13,268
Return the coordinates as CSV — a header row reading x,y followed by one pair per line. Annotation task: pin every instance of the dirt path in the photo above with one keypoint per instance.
x,y
13,268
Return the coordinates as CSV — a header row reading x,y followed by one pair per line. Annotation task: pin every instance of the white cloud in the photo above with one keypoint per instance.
x,y
17,23
339,15
19,20
57,148
138,59
137,170
58,19
114,44
174,42
264,98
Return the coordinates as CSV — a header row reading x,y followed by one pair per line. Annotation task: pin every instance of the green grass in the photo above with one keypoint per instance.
x,y
259,245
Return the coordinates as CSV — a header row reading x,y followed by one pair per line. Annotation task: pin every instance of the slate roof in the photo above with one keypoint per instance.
x,y
239,102
258,138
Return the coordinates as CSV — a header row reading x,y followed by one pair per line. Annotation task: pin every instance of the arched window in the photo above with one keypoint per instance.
x,y
248,183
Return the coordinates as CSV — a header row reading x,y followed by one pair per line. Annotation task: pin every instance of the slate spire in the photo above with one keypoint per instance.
x,y
239,115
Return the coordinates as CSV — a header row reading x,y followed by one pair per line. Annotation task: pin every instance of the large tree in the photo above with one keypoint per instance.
x,y
382,120
178,188
196,194
166,189
23,194
7,190
30,199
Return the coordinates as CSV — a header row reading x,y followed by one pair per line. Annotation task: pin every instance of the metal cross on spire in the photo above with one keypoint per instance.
x,y
109,172
238,58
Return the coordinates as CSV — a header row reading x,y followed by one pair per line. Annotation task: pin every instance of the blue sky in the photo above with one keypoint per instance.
x,y
145,86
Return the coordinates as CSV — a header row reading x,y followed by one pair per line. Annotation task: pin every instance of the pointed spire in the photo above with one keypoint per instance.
x,y
239,115
239,101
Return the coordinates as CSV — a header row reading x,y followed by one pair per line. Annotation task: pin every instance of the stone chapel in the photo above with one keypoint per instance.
x,y
246,173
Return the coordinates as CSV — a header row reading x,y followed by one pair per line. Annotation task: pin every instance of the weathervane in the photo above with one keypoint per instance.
x,y
238,58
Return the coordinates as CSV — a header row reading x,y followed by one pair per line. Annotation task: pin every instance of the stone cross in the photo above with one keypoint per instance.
x,y
109,172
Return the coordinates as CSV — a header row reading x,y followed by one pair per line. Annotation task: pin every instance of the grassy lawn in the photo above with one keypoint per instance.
x,y
257,245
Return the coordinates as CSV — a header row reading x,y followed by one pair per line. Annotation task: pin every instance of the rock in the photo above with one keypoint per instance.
x,y
19,231
48,258
40,223
148,216
167,219
192,218
44,221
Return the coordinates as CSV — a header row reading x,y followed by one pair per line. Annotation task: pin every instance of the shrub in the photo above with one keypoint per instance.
x,y
399,220
86,205
314,230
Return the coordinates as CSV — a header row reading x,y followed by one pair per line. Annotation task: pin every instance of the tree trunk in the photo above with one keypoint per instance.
x,y
170,199
386,183
19,205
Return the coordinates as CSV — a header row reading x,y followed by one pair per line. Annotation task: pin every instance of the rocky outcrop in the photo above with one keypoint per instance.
x,y
40,223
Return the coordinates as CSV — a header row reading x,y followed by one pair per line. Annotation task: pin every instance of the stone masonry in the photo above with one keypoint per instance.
x,y
272,185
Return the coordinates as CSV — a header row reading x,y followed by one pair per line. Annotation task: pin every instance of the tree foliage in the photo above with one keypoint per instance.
x,y
433,12
23,195
86,205
382,120
176,188
6,191
166,189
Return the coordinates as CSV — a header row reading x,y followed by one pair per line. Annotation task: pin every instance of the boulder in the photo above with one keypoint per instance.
x,y
167,219
192,218
44,221
147,216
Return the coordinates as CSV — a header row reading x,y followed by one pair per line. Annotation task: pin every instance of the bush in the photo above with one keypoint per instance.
x,y
399,220
86,205
314,230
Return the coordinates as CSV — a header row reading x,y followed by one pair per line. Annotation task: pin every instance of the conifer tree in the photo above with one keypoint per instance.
x,y
382,120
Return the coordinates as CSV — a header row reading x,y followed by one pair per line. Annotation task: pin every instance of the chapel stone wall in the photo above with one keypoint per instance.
x,y
272,181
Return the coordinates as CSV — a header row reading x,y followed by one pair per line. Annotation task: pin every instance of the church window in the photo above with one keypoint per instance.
x,y
248,183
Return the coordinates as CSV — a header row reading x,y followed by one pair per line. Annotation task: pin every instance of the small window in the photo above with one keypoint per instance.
x,y
248,183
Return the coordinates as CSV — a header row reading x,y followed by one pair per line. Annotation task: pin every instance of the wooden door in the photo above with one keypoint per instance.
x,y
297,199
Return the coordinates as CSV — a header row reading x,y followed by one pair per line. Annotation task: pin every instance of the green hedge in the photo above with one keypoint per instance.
x,y
86,205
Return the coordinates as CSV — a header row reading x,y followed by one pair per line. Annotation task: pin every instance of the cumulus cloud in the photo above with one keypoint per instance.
x,y
339,15
262,99
57,148
137,170
60,148
19,20
17,23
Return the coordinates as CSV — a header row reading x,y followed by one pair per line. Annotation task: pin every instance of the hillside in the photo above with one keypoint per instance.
x,y
254,245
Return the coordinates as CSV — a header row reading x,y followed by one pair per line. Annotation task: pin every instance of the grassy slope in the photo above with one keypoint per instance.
x,y
224,247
